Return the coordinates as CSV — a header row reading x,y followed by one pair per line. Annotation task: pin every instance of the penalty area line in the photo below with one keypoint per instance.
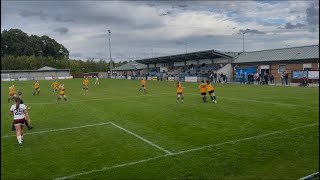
x,y
62,129
184,152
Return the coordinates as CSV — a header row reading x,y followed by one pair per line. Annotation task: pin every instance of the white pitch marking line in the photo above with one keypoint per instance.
x,y
250,100
186,151
143,139
63,129
310,176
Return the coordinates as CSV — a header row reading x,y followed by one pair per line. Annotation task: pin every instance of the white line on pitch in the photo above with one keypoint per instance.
x,y
243,139
111,167
186,151
250,100
63,129
141,138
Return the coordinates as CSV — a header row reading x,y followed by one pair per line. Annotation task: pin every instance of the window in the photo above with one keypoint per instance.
x,y
307,67
282,68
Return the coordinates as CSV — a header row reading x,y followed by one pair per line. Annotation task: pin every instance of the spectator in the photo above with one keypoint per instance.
x,y
282,79
271,79
286,78
215,77
242,78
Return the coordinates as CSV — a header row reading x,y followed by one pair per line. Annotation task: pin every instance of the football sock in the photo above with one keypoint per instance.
x,y
58,99
214,97
177,99
211,97
19,139
9,99
65,99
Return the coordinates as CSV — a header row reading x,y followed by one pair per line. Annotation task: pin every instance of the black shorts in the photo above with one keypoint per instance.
x,y
204,93
212,91
143,85
37,89
179,93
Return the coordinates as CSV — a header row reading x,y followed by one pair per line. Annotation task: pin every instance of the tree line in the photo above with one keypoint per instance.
x,y
22,52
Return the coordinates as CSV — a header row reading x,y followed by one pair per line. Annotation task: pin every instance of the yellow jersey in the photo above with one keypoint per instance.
x,y
179,88
202,87
209,87
11,90
61,91
36,85
55,84
143,82
86,82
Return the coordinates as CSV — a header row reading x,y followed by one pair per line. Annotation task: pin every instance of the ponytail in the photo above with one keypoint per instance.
x,y
17,100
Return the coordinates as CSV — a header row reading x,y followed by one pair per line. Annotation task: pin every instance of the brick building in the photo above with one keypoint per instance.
x,y
276,61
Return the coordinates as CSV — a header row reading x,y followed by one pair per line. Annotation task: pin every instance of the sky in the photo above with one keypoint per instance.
x,y
144,29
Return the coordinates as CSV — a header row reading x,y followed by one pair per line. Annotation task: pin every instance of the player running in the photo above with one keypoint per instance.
x,y
97,80
12,95
27,107
36,88
143,85
211,91
55,86
20,117
61,93
85,84
203,91
179,91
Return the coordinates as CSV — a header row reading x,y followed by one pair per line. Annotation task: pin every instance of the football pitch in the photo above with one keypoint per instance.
x,y
116,132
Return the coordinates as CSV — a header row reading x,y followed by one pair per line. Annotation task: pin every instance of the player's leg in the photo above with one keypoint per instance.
x,y
214,97
18,133
178,96
144,89
21,132
59,97
181,97
38,91
65,98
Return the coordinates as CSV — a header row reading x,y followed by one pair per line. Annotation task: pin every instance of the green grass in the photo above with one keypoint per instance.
x,y
239,132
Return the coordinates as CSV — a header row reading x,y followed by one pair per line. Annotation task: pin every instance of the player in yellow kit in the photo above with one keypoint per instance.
x,y
62,93
179,91
143,85
55,86
211,91
203,91
85,84
36,88
12,95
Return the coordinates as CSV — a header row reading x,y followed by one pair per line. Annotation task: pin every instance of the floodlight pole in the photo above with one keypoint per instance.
x,y
109,31
243,41
186,44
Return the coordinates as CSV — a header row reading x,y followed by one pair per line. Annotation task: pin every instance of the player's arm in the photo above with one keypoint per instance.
x,y
27,115
11,113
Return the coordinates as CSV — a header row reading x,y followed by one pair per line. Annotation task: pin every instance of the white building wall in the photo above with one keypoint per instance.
x,y
206,61
178,63
194,62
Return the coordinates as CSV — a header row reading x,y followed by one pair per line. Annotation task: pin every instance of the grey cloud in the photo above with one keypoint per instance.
x,y
312,19
166,13
292,26
150,5
61,30
251,31
59,18
27,13
76,54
